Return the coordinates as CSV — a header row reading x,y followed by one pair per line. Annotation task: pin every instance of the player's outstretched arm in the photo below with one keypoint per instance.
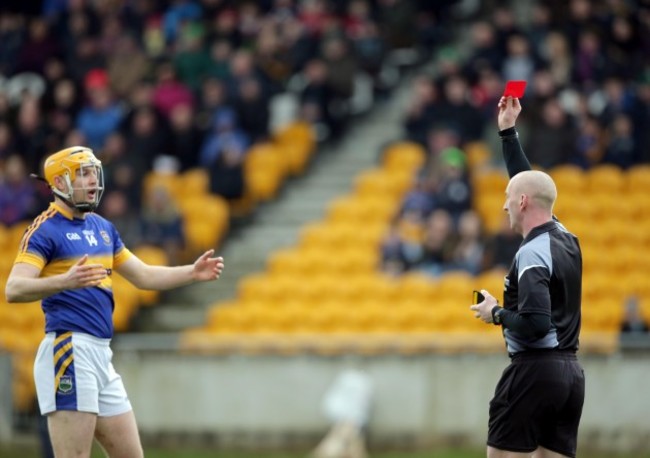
x,y
25,284
516,161
145,276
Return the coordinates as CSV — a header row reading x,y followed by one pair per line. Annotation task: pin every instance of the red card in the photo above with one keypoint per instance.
x,y
515,89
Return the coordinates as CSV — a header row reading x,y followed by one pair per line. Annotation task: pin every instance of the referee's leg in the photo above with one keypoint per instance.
x,y
541,452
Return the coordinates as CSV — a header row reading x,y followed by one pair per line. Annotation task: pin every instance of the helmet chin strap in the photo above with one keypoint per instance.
x,y
83,207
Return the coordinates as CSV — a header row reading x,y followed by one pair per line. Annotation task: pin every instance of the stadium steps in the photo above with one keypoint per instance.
x,y
276,224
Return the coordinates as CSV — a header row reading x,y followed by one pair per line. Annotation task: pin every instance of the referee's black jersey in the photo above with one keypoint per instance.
x,y
546,277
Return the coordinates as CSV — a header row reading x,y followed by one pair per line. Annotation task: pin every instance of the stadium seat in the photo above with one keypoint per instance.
x,y
638,179
478,155
171,182
5,236
383,183
193,183
298,132
569,179
16,233
404,156
605,178
357,209
456,287
288,261
418,287
206,221
297,143
489,182
489,207
264,171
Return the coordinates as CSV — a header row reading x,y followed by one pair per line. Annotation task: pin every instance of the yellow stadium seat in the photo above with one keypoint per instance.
x,y
493,281
489,206
151,255
492,182
193,183
360,259
322,234
604,235
365,210
171,182
569,179
264,171
233,320
405,156
297,157
16,233
478,154
297,142
339,234
605,178
206,221
5,237
418,287
383,183
201,235
601,314
639,199
456,286
287,261
638,179
297,133
254,287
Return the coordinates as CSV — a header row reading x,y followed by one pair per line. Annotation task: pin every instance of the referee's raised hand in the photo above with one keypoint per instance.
x,y
509,109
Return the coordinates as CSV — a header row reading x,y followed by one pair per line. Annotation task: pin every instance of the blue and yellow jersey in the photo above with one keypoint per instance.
x,y
54,242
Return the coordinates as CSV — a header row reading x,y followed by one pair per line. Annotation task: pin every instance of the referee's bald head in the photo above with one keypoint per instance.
x,y
538,186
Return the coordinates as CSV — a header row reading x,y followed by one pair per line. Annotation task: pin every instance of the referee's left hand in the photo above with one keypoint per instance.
x,y
483,310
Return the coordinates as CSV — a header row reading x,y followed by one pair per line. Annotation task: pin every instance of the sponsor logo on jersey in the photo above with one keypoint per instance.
x,y
72,236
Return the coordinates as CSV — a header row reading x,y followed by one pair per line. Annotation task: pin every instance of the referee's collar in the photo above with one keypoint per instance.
x,y
538,230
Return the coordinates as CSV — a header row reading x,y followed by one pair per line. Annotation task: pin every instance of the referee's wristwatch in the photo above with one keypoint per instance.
x,y
496,315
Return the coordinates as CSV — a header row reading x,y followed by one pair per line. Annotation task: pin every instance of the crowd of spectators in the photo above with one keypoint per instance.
x,y
180,84
587,103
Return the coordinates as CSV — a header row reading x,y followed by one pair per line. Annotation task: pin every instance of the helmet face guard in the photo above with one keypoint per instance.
x,y
69,164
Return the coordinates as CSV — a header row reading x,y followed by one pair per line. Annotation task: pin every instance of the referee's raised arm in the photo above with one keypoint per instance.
x,y
513,154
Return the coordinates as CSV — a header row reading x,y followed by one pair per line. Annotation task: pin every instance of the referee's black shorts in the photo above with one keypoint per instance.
x,y
538,402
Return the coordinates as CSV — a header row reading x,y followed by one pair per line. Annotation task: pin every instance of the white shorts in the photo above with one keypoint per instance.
x,y
73,371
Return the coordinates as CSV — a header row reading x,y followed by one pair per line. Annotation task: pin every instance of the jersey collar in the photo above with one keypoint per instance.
x,y
63,210
537,230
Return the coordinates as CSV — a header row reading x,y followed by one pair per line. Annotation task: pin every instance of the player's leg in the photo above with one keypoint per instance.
x,y
67,394
542,452
116,431
119,437
71,433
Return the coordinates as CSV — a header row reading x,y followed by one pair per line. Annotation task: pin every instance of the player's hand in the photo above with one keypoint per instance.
x,y
483,310
207,268
509,109
82,275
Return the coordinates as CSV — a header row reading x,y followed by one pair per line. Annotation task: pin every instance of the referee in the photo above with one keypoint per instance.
x,y
537,404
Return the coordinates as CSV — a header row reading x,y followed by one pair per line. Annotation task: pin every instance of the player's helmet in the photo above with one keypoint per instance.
x,y
66,164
